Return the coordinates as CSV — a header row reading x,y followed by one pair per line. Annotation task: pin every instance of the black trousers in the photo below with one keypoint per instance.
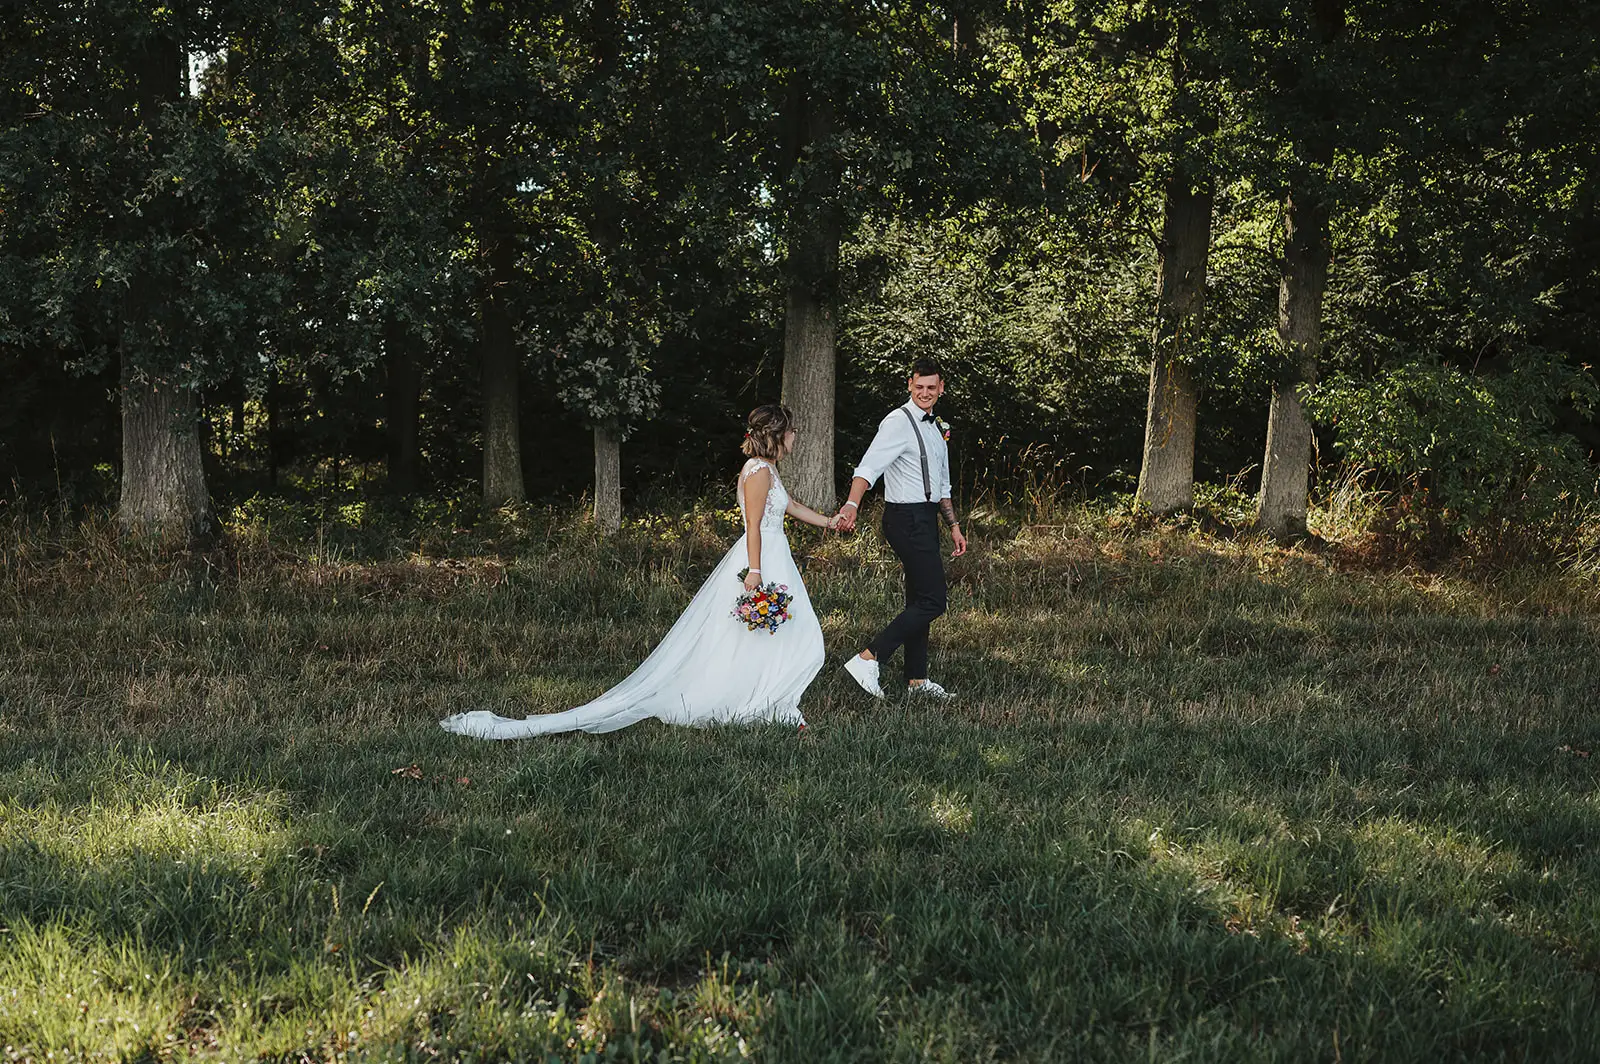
x,y
912,530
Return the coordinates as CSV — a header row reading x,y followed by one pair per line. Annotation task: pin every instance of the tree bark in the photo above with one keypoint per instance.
x,y
1166,475
810,325
502,453
607,479
163,479
401,394
1286,467
809,332
163,494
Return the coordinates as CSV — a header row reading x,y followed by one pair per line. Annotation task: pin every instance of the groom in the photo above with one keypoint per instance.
x,y
909,452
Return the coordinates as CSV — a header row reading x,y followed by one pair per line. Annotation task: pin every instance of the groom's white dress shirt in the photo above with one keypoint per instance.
x,y
893,455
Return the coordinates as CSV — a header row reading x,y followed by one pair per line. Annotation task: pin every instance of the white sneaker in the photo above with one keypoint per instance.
x,y
865,673
929,689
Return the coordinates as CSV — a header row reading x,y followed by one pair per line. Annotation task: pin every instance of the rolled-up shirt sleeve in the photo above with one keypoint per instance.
x,y
944,492
885,447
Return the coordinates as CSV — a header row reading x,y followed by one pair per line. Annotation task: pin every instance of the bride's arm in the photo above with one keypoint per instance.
x,y
802,512
755,502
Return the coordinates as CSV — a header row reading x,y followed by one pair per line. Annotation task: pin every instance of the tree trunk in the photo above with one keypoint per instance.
x,y
607,479
402,390
809,331
1166,476
502,453
810,325
163,479
163,472
1286,468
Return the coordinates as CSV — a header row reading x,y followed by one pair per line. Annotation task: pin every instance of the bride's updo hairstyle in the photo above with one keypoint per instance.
x,y
765,429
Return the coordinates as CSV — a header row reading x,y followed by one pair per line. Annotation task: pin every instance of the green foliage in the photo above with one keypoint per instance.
x,y
601,365
336,186
1471,454
155,237
1005,305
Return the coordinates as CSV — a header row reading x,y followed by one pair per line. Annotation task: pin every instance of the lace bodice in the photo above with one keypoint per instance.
x,y
777,497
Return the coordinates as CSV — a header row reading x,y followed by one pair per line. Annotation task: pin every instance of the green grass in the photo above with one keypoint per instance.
x,y
1200,800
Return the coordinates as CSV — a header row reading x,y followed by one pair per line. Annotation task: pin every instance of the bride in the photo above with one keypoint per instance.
x,y
710,668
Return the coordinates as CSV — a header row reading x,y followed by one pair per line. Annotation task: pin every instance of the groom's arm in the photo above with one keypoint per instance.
x,y
885,447
947,510
851,507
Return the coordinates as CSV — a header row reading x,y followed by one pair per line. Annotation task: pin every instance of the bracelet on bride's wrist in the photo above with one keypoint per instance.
x,y
850,504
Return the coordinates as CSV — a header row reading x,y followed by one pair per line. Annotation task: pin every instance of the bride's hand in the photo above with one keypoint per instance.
x,y
752,580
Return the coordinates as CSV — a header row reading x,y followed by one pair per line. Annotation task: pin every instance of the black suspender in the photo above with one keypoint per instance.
x,y
922,449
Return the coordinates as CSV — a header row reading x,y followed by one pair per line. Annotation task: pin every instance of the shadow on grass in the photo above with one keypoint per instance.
x,y
898,883
1211,807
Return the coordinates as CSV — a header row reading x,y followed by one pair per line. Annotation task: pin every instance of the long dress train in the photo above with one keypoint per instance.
x,y
709,669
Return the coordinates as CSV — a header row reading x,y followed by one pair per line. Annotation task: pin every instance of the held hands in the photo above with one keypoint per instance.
x,y
845,521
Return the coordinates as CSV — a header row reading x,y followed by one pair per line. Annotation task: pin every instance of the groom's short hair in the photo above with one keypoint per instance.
x,y
927,367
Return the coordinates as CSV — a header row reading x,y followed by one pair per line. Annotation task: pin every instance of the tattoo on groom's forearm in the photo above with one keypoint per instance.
x,y
948,510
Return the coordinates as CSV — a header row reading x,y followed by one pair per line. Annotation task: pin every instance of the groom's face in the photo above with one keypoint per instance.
x,y
925,391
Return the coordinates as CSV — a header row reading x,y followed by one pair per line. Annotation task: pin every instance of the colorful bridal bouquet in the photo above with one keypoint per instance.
x,y
765,607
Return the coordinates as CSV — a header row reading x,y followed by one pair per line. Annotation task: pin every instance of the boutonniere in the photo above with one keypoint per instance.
x,y
944,428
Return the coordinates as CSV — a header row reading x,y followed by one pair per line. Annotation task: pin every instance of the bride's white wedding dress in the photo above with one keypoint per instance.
x,y
710,668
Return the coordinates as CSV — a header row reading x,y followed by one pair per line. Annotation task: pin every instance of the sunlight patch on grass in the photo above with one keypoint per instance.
x,y
145,809
510,989
1245,880
1070,672
77,996
521,993
1449,866
952,812
998,756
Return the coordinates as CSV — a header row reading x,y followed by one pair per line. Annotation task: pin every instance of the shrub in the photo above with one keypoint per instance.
x,y
1476,459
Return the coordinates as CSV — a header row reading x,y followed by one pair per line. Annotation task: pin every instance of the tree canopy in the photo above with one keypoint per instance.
x,y
468,247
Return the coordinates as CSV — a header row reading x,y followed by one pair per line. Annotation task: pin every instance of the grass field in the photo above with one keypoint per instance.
x,y
1200,800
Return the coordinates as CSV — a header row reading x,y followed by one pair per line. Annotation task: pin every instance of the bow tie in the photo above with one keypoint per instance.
x,y
927,417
